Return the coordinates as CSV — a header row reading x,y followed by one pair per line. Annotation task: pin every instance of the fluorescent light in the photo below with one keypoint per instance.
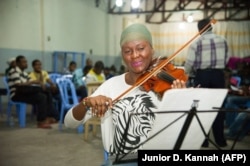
x,y
190,18
118,3
135,4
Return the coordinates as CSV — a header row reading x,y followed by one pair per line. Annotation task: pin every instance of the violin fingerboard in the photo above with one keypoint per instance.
x,y
165,76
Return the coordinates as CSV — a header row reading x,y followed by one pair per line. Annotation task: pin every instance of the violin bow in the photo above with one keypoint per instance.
x,y
164,62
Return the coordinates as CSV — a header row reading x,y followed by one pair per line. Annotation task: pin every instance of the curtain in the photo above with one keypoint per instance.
x,y
237,35
169,38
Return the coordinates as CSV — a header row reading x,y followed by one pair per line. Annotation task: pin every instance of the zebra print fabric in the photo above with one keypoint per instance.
x,y
128,136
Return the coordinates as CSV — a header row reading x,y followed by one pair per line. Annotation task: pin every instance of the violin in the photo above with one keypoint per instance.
x,y
163,80
159,79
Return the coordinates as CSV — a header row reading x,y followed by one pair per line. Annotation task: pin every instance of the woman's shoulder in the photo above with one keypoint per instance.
x,y
116,79
112,87
114,82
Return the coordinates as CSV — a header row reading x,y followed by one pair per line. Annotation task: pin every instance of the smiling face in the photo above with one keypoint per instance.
x,y
137,51
137,55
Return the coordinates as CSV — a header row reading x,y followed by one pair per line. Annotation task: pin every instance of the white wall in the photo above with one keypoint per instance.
x,y
20,24
77,26
36,28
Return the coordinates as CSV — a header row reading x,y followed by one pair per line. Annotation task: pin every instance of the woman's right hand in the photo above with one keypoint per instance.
x,y
98,104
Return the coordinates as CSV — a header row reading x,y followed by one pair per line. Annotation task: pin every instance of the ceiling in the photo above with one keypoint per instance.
x,y
160,11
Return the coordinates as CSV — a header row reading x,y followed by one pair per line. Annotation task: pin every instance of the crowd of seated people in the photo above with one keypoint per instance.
x,y
88,74
24,89
37,88
81,75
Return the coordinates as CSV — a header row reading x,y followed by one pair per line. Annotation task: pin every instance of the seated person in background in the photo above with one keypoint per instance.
x,y
86,70
42,76
122,69
244,74
11,64
96,74
107,73
48,86
78,80
18,81
239,99
71,68
238,96
236,102
113,70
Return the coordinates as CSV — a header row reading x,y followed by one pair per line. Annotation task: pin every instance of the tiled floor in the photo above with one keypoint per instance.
x,y
31,146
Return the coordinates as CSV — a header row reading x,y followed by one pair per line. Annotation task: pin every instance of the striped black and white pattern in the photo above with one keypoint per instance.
x,y
16,76
139,126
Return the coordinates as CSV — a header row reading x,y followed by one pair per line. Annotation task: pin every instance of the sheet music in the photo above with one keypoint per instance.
x,y
182,100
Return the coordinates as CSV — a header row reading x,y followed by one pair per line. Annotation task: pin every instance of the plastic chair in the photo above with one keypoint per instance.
x,y
68,76
68,99
106,155
54,76
20,107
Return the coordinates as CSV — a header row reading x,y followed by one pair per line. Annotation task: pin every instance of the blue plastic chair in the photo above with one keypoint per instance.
x,y
68,76
106,155
54,76
68,99
20,107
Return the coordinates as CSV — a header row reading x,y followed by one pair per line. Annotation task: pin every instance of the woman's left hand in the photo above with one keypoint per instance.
x,y
178,84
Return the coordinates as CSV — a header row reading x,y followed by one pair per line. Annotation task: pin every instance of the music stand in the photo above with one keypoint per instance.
x,y
214,98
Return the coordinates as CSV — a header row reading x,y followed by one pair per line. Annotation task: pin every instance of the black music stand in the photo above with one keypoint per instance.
x,y
185,127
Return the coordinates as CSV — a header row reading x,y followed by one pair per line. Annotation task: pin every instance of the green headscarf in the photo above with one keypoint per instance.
x,y
135,32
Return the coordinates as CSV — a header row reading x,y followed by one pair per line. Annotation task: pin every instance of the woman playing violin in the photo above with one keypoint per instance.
x,y
137,54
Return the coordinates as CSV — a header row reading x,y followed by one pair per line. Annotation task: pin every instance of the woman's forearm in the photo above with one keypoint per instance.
x,y
75,116
79,111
